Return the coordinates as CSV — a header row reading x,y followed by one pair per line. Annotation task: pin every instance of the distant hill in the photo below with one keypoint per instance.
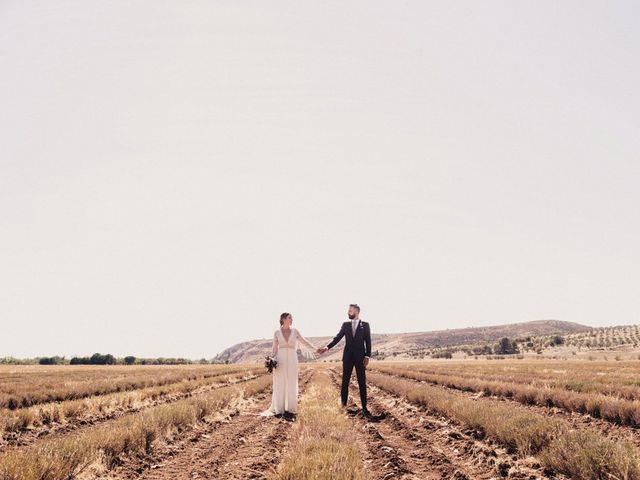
x,y
255,350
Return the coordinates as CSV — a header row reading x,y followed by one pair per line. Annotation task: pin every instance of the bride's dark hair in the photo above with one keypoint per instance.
x,y
283,317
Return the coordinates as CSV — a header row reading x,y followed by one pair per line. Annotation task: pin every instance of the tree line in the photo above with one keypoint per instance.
x,y
104,359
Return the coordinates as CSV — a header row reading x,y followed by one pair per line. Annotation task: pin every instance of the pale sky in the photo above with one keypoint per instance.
x,y
174,175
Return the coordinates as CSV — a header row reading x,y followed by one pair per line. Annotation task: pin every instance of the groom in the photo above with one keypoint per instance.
x,y
357,350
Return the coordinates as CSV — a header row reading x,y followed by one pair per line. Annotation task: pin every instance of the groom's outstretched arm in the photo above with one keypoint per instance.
x,y
337,338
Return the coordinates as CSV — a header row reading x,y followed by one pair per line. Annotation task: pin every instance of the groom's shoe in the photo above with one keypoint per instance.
x,y
367,413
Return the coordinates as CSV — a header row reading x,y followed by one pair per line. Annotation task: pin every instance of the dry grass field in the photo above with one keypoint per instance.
x,y
473,419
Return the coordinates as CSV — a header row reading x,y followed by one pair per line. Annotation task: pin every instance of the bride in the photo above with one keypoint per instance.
x,y
286,341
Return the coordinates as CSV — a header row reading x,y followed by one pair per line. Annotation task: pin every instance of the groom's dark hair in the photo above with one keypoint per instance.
x,y
355,305
283,316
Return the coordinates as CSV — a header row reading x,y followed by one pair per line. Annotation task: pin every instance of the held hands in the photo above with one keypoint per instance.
x,y
321,350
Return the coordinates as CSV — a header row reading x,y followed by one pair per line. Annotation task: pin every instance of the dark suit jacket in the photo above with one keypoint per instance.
x,y
359,345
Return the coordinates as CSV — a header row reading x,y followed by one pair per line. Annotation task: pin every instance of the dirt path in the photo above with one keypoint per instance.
x,y
397,449
55,430
242,446
410,443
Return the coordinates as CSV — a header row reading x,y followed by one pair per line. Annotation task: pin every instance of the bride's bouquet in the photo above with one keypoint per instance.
x,y
270,364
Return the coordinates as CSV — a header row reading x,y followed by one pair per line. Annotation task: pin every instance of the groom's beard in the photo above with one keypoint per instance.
x,y
351,317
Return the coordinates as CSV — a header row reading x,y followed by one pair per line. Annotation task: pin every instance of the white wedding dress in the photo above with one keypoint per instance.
x,y
285,376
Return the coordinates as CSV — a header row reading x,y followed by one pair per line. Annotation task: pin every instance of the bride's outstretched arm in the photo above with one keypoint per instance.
x,y
307,349
305,342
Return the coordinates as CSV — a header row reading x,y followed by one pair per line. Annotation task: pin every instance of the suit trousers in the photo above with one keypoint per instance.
x,y
347,369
